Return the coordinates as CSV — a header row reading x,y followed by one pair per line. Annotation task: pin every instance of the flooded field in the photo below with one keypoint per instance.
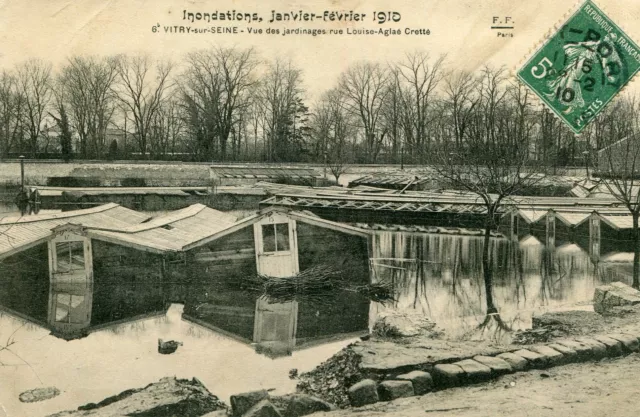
x,y
229,331
441,277
125,356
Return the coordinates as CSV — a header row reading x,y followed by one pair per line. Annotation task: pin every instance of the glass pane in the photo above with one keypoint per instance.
x,y
282,236
70,257
77,312
62,255
268,238
77,256
62,307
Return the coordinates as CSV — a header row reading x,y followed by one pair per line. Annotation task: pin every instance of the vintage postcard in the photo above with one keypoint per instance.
x,y
329,207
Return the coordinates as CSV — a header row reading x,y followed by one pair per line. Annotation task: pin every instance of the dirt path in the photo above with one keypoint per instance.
x,y
607,388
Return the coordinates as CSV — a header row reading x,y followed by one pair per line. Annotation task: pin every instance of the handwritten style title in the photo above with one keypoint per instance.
x,y
292,16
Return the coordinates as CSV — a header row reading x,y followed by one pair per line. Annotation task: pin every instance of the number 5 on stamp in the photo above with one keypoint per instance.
x,y
582,67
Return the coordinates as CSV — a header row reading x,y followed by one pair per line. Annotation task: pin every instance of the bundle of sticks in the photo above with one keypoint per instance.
x,y
316,284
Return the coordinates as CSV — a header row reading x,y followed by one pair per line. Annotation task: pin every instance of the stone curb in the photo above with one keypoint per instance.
x,y
484,368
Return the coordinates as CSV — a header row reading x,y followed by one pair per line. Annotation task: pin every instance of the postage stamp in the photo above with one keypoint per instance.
x,y
582,66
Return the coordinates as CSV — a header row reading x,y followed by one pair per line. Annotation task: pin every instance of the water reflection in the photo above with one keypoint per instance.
x,y
441,277
125,355
437,275
73,303
275,327
278,328
70,307
71,300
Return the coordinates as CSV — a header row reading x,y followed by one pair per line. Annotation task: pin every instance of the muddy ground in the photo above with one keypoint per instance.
x,y
606,388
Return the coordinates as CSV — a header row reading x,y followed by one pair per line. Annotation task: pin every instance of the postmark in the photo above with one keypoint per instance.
x,y
582,67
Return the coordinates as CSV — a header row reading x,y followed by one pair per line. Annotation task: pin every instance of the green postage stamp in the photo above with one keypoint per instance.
x,y
582,66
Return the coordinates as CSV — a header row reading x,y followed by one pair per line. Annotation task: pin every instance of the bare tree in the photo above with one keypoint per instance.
x,y
342,128
419,79
12,107
281,94
619,163
142,88
215,87
365,88
492,159
394,116
460,101
166,133
87,84
34,84
62,121
332,126
255,121
321,125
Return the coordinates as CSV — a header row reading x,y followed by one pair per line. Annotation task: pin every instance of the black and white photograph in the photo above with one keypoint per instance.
x,y
332,208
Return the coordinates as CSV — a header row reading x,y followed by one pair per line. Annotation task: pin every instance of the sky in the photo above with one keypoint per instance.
x,y
55,29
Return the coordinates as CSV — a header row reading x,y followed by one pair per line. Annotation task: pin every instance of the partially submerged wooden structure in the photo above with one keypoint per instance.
x,y
447,209
136,264
384,208
135,198
400,181
598,223
146,198
426,179
601,230
222,175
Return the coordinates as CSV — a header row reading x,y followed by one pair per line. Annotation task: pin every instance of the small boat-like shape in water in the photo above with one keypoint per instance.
x,y
168,347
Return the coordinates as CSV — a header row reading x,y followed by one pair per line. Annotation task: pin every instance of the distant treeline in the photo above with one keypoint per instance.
x,y
229,104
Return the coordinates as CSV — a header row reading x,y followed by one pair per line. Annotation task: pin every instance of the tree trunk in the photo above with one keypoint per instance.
x,y
486,264
636,251
223,145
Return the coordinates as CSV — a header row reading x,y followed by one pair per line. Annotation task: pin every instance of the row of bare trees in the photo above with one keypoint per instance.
x,y
24,97
408,111
231,104
212,107
85,99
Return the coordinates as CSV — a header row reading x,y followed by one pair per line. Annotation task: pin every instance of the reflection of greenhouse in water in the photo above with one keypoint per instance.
x,y
278,329
78,271
441,276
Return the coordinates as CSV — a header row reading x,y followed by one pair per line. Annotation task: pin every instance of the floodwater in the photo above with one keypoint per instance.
x,y
438,275
125,356
441,276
